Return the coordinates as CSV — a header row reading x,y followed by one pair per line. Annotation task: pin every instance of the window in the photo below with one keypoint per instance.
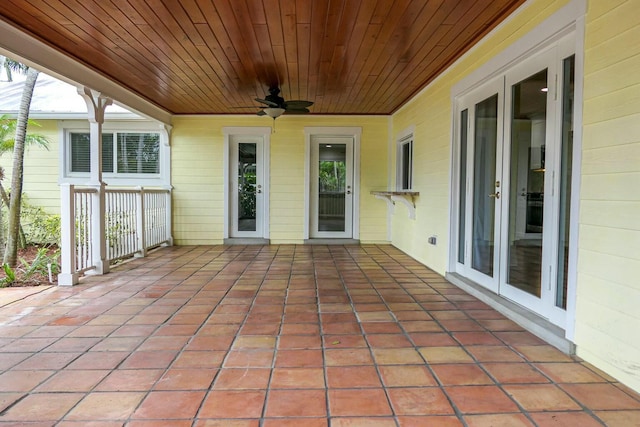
x,y
122,152
80,153
405,163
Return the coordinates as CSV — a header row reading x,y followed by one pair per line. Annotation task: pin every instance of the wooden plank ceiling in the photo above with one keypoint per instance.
x,y
216,56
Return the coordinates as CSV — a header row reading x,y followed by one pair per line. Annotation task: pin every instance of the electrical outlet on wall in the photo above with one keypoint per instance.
x,y
432,240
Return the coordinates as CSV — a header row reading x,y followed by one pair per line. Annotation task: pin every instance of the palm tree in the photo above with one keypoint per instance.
x,y
7,66
11,251
7,141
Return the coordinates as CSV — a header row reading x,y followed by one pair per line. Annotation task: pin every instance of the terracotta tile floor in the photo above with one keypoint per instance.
x,y
250,336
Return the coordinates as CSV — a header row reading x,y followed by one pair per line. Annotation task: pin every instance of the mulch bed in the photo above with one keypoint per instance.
x,y
29,254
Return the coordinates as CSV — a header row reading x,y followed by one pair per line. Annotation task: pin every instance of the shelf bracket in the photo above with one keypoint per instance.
x,y
404,197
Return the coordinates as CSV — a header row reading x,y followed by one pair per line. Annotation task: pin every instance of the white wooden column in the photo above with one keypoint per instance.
x,y
96,105
68,275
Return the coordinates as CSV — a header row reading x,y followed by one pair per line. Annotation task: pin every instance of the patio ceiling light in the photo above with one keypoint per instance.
x,y
273,112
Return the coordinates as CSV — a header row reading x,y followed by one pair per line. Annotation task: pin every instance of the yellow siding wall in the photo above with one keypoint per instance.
x,y
608,298
197,179
197,147
40,182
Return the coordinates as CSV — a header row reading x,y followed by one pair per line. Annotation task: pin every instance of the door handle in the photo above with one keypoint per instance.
x,y
495,195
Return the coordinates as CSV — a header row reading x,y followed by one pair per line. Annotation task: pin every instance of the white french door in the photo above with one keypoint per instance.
x,y
247,190
331,187
480,134
515,145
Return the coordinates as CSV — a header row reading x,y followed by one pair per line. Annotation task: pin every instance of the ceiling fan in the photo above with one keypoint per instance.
x,y
276,105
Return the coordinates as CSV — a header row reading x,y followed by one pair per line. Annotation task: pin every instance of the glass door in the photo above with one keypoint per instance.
x,y
247,191
513,206
480,185
528,114
331,207
538,120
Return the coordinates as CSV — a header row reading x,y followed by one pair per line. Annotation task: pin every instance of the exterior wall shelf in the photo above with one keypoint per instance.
x,y
404,197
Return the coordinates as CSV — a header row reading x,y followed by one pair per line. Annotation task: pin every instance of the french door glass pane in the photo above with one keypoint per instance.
x,y
484,185
566,152
526,201
332,182
462,201
247,162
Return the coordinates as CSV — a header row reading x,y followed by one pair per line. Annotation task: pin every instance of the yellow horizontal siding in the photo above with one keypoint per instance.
x,y
198,180
608,292
614,213
618,131
612,105
41,169
612,160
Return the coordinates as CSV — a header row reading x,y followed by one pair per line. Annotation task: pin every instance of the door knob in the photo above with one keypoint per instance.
x,y
495,195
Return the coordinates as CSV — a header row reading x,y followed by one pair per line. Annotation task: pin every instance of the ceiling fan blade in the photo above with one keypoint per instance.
x,y
296,111
297,104
261,113
267,102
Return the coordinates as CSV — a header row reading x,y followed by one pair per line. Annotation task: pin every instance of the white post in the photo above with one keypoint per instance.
x,y
168,222
68,275
96,105
141,223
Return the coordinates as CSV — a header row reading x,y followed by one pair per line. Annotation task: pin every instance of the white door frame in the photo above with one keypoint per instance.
x,y
352,132
229,134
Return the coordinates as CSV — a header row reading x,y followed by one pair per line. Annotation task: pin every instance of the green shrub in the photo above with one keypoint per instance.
x,y
40,228
41,263
10,276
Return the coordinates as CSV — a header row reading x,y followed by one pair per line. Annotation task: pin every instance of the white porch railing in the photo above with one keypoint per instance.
x,y
331,203
135,220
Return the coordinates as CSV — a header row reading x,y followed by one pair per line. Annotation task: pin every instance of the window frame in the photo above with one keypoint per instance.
x,y
116,178
405,139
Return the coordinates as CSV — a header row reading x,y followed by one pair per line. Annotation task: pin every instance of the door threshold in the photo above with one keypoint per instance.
x,y
332,241
246,241
532,322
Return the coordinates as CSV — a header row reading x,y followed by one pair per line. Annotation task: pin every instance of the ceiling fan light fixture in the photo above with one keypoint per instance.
x,y
273,112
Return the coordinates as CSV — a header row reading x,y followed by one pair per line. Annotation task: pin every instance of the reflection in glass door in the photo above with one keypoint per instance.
x,y
331,187
527,183
564,190
246,189
486,188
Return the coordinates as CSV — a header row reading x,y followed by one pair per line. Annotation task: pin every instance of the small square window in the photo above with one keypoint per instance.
x,y
404,164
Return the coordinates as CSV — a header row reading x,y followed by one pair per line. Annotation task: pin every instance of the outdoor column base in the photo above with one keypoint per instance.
x,y
68,279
